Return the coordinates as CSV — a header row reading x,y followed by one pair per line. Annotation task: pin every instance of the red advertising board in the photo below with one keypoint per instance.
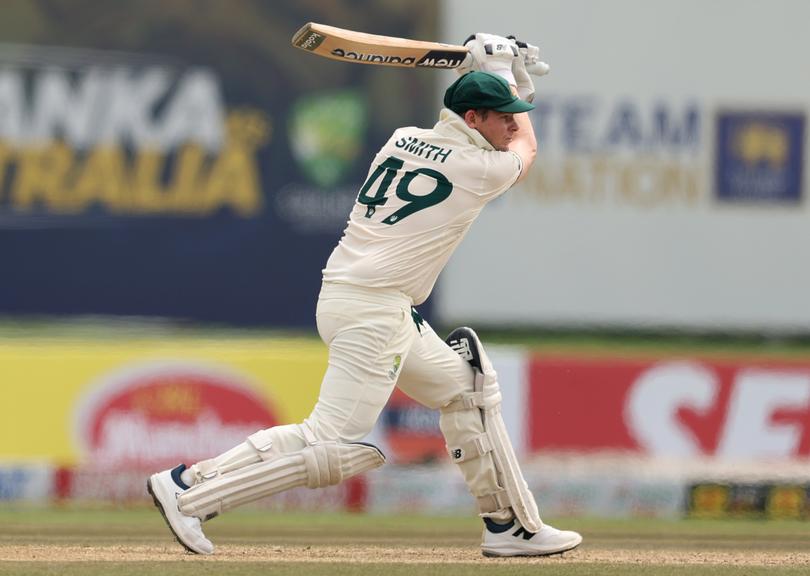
x,y
666,407
157,414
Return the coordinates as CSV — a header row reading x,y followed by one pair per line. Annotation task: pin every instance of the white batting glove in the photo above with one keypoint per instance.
x,y
523,82
531,58
490,53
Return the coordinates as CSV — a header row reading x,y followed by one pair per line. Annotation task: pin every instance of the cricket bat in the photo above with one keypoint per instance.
x,y
351,46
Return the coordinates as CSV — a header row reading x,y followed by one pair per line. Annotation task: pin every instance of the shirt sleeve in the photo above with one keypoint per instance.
x,y
500,170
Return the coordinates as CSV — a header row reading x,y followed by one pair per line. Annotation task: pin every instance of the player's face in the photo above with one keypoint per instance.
x,y
497,127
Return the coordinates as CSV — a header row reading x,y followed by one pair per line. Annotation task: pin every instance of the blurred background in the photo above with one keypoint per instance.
x,y
173,176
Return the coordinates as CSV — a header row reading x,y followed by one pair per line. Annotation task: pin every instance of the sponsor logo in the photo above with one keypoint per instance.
x,y
311,41
749,500
158,414
392,373
309,209
622,151
124,136
759,156
671,409
326,135
411,431
462,348
372,58
441,59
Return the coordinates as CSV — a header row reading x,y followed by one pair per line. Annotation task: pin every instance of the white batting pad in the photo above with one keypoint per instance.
x,y
316,466
482,441
521,499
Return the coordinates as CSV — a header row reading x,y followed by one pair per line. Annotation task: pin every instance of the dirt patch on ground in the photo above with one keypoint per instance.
x,y
403,555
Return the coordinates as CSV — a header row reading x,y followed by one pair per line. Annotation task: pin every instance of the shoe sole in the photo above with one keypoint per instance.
x,y
165,518
506,554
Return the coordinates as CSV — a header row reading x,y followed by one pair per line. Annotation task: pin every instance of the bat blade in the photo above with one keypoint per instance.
x,y
359,47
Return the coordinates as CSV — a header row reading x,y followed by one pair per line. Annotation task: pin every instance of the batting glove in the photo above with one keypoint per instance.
x,y
523,82
531,57
490,53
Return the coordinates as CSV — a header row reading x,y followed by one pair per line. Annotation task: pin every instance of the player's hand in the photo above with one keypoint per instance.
x,y
530,54
490,53
524,84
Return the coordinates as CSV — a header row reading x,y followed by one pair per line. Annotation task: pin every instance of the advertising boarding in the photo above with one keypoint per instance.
x,y
670,187
197,167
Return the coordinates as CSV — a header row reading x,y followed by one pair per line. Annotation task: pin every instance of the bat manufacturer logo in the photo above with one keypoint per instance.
x,y
372,58
441,59
311,41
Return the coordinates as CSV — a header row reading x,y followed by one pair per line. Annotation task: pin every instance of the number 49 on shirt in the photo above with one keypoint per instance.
x,y
385,173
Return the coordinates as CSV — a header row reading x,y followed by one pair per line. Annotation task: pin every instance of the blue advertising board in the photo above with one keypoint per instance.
x,y
760,156
204,173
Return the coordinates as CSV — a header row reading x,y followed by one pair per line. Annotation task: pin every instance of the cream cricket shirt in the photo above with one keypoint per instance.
x,y
423,191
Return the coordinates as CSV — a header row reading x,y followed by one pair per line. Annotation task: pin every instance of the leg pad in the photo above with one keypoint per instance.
x,y
316,466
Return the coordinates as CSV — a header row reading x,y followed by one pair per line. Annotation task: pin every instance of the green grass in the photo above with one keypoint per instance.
x,y
111,529
630,341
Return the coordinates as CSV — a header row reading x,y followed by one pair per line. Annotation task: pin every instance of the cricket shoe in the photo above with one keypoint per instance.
x,y
165,487
512,539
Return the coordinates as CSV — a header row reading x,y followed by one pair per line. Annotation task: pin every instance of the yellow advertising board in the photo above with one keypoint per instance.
x,y
149,401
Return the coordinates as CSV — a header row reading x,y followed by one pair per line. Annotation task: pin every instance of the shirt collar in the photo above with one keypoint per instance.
x,y
454,125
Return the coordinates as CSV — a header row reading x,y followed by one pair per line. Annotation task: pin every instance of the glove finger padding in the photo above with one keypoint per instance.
x,y
530,54
490,53
523,82
538,69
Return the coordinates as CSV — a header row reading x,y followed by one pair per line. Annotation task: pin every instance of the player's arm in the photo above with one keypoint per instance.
x,y
524,142
526,64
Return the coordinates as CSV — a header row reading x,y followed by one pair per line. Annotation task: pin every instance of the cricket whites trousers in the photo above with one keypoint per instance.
x,y
375,343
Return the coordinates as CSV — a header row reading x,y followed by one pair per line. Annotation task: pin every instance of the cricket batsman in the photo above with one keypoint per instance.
x,y
424,189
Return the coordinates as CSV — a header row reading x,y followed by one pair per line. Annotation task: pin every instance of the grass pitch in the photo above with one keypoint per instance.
x,y
135,541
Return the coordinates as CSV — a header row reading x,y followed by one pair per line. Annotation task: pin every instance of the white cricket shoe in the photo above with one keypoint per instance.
x,y
512,539
165,487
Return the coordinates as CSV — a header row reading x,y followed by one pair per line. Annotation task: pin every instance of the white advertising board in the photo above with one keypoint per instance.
x,y
669,190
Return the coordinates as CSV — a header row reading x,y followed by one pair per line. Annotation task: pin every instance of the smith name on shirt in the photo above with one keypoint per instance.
x,y
422,149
